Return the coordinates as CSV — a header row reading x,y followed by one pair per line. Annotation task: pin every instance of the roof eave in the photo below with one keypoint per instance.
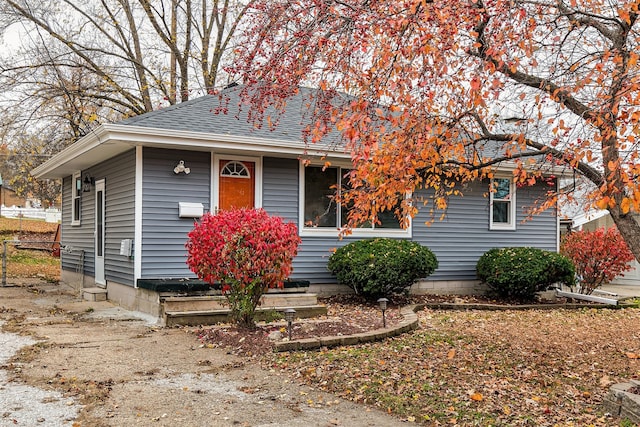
x,y
73,151
110,139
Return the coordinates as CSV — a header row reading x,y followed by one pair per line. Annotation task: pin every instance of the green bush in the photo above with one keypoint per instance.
x,y
518,273
381,267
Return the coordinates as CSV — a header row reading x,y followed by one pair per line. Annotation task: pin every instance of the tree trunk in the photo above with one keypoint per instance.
x,y
629,229
173,85
137,60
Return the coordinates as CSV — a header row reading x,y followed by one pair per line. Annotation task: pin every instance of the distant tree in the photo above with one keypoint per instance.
x,y
66,112
435,84
19,164
141,51
69,65
5,165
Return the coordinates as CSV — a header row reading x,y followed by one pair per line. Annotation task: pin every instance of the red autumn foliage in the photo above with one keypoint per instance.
x,y
599,256
246,251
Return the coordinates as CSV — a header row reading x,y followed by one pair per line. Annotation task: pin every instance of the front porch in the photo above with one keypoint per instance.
x,y
190,302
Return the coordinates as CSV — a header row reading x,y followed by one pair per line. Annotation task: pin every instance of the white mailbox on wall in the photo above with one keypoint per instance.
x,y
190,210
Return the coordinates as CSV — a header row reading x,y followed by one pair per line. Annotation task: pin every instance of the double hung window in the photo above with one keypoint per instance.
x,y
76,198
503,204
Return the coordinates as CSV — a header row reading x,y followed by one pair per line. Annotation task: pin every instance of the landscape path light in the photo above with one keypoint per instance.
x,y
289,314
383,306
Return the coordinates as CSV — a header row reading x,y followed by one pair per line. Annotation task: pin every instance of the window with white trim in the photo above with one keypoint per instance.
x,y
321,214
76,197
502,212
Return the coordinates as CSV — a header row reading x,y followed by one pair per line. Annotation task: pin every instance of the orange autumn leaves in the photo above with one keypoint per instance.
x,y
473,395
433,95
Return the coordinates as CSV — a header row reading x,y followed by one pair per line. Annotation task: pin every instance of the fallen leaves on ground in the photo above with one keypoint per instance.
x,y
534,367
17,225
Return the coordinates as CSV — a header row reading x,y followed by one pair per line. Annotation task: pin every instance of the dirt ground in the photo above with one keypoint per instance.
x,y
120,369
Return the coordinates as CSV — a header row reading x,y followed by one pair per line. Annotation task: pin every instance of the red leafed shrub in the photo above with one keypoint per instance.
x,y
247,252
599,256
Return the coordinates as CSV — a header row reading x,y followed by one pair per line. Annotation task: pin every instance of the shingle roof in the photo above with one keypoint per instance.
x,y
205,115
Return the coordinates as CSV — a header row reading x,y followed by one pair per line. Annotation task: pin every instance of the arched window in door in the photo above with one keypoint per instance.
x,y
235,170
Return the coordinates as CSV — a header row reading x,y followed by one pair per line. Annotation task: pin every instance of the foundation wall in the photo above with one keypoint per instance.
x,y
149,301
125,296
423,287
448,287
136,299
75,280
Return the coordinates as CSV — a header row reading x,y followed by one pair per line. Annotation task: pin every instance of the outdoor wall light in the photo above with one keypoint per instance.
x,y
181,168
289,314
383,306
87,183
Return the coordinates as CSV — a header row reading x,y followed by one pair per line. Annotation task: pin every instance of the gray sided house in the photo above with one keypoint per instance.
x,y
132,191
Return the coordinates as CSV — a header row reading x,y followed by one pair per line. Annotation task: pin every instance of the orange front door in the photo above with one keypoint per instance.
x,y
237,184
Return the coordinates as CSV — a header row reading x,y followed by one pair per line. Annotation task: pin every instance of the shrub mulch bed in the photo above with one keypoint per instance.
x,y
347,315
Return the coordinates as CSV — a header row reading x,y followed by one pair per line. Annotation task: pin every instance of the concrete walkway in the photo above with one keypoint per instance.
x,y
102,365
624,291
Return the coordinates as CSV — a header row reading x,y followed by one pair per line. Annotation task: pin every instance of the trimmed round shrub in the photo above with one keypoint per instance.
x,y
381,267
518,273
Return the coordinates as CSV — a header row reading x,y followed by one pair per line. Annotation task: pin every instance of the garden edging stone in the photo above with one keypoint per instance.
x,y
409,322
623,403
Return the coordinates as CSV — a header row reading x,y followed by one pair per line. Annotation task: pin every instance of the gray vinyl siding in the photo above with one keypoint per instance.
x,y
463,235
280,195
313,256
164,234
77,240
119,176
458,240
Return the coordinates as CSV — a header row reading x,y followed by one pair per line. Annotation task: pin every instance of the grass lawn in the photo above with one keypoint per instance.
x,y
485,368
28,262
11,226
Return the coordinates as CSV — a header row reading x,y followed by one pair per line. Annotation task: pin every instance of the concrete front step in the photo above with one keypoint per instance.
x,y
216,302
210,317
94,294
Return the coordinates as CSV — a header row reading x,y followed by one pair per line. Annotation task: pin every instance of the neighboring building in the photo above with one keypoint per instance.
x,y
128,202
8,197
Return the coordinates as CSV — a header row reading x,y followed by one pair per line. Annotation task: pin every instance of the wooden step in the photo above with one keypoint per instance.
x,y
210,317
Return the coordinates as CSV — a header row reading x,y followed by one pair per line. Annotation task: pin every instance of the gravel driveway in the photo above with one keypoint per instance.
x,y
25,405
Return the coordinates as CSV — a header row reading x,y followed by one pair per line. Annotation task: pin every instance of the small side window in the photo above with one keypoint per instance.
x,y
76,198
502,213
